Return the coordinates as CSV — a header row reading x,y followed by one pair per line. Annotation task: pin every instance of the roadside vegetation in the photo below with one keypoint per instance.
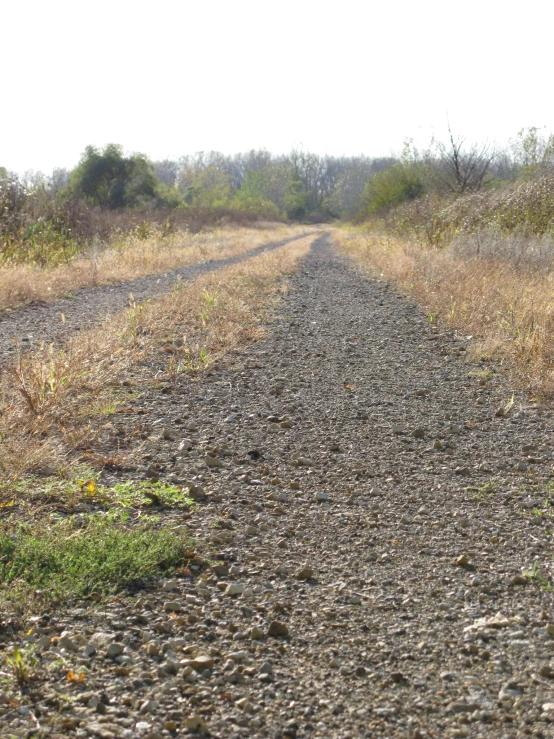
x,y
50,220
146,249
65,418
469,233
118,215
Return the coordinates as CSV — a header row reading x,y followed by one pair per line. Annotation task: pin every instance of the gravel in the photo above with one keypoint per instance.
x,y
368,582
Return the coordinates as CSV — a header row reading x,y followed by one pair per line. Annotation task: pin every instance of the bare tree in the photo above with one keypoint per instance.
x,y
166,171
462,169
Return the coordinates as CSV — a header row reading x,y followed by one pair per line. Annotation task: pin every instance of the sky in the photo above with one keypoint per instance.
x,y
172,77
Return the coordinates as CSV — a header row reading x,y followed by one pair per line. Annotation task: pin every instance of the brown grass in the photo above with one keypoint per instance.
x,y
506,304
146,250
57,405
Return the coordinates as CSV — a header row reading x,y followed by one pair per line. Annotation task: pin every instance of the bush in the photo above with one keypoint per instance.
x,y
525,208
391,187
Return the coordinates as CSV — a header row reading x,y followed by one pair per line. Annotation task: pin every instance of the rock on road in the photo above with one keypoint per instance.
x,y
377,518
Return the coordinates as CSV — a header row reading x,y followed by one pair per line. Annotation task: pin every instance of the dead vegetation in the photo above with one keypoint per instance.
x,y
497,289
57,403
147,249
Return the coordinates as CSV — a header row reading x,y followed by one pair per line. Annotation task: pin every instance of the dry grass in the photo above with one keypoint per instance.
x,y
523,207
146,250
57,405
504,301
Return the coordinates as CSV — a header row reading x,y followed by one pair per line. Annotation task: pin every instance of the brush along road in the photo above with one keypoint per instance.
x,y
379,509
81,309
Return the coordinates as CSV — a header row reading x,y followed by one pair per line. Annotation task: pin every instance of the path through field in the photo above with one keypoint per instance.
x,y
375,515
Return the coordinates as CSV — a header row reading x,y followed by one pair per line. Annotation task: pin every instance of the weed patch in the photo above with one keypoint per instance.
x,y
81,555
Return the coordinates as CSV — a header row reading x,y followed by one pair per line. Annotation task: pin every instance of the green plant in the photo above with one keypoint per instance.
x,y
209,302
390,187
82,554
132,494
536,576
20,665
485,492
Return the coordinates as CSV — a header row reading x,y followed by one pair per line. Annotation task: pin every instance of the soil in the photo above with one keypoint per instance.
x,y
382,526
81,309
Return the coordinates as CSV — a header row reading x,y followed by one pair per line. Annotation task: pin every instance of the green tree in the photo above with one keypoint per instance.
x,y
533,152
111,180
204,186
393,186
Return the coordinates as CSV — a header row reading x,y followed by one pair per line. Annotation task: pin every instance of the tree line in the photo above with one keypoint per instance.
x,y
56,210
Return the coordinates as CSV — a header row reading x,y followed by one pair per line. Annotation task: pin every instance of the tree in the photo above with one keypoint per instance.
x,y
533,152
204,186
460,169
166,171
392,186
111,180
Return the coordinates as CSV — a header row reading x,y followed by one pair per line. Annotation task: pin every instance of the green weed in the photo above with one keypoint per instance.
x,y
21,666
485,492
136,494
535,576
84,486
82,554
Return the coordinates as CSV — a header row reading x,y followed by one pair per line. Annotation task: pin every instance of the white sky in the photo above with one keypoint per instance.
x,y
170,77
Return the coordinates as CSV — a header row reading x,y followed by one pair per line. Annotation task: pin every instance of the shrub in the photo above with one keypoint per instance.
x,y
391,187
526,208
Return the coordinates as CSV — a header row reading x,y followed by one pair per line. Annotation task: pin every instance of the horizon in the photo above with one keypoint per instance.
x,y
232,79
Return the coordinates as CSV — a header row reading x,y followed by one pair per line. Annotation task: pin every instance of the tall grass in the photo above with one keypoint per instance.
x,y
149,248
525,208
499,290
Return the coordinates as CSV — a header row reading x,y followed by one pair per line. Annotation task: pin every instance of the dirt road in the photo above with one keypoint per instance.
x,y
375,512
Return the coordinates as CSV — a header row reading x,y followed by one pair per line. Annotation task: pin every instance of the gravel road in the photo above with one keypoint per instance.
x,y
86,307
378,504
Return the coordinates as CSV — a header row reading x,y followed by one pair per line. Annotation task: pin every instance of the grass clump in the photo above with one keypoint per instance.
x,y
130,494
81,555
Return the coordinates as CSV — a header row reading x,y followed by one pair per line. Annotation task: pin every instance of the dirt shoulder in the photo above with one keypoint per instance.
x,y
379,512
